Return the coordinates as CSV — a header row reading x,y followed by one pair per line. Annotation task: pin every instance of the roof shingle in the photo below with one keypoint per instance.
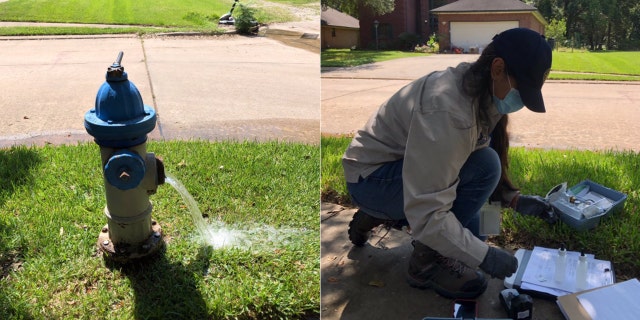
x,y
335,18
484,6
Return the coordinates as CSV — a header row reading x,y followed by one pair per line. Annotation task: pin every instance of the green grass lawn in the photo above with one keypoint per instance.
x,y
51,212
606,65
179,15
617,238
351,58
607,62
578,65
140,12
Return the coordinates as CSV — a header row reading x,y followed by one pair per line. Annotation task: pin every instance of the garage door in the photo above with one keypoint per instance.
x,y
477,34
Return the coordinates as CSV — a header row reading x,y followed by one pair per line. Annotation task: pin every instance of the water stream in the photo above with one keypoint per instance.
x,y
219,235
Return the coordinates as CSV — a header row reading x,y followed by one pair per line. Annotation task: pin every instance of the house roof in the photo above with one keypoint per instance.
x,y
332,17
484,6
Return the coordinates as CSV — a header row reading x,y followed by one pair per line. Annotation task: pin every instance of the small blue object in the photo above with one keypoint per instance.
x,y
119,119
124,170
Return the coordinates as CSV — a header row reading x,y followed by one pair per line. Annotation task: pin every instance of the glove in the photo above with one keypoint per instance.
x,y
536,206
499,263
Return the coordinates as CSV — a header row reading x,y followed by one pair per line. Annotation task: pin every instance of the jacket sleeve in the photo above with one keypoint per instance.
x,y
438,144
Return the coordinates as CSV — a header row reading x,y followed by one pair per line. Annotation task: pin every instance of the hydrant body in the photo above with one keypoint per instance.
x,y
120,123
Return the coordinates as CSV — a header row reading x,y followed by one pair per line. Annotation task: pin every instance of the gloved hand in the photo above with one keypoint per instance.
x,y
499,263
536,206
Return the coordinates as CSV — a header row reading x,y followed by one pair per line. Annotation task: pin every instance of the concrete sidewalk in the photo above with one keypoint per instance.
x,y
202,87
369,282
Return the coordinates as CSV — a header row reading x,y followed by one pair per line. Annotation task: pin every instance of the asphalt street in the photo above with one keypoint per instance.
x,y
580,114
202,87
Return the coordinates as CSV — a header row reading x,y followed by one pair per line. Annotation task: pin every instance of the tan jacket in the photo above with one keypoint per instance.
x,y
434,126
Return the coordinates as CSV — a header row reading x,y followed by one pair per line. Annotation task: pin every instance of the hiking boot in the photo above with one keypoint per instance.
x,y
360,226
450,278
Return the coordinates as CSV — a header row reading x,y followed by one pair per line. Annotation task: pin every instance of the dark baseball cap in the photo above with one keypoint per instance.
x,y
528,58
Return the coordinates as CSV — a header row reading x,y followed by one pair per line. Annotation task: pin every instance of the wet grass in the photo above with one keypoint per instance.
x,y
536,171
51,212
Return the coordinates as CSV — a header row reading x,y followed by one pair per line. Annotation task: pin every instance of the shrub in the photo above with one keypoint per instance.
x,y
245,22
407,40
432,46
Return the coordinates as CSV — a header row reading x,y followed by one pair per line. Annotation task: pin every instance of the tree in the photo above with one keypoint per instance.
x,y
556,29
594,24
350,7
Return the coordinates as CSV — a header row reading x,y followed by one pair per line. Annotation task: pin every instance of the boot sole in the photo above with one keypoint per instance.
x,y
423,285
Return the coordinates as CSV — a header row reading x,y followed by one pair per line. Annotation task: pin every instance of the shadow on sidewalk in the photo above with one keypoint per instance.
x,y
369,282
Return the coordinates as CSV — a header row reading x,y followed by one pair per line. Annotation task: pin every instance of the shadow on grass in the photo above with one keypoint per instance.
x,y
16,171
165,289
16,165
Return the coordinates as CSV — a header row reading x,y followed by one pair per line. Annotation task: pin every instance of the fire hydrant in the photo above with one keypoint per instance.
x,y
119,124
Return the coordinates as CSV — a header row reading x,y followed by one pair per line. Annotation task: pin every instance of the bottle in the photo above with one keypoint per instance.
x,y
581,273
561,264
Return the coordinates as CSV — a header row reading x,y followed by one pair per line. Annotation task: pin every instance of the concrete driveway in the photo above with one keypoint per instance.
x,y
580,115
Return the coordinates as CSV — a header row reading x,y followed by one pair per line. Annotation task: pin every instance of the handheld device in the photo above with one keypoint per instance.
x,y
518,306
465,309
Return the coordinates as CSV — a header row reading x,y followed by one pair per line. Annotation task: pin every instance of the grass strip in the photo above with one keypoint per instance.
x,y
51,212
591,76
352,58
40,31
579,65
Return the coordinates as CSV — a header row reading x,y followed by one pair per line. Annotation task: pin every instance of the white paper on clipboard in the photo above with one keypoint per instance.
x,y
539,272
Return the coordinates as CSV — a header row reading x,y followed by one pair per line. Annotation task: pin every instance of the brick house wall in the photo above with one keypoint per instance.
x,y
409,16
339,37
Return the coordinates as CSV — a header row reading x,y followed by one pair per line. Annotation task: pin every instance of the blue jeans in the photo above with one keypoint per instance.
x,y
380,194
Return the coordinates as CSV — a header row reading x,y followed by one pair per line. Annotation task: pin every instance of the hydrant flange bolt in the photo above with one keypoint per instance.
x,y
122,252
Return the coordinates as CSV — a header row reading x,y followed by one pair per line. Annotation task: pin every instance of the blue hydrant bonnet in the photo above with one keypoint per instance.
x,y
119,119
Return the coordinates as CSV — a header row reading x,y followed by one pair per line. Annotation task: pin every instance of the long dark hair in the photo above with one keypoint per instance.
x,y
475,83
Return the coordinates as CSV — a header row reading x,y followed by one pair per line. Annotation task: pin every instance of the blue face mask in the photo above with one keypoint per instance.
x,y
511,102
